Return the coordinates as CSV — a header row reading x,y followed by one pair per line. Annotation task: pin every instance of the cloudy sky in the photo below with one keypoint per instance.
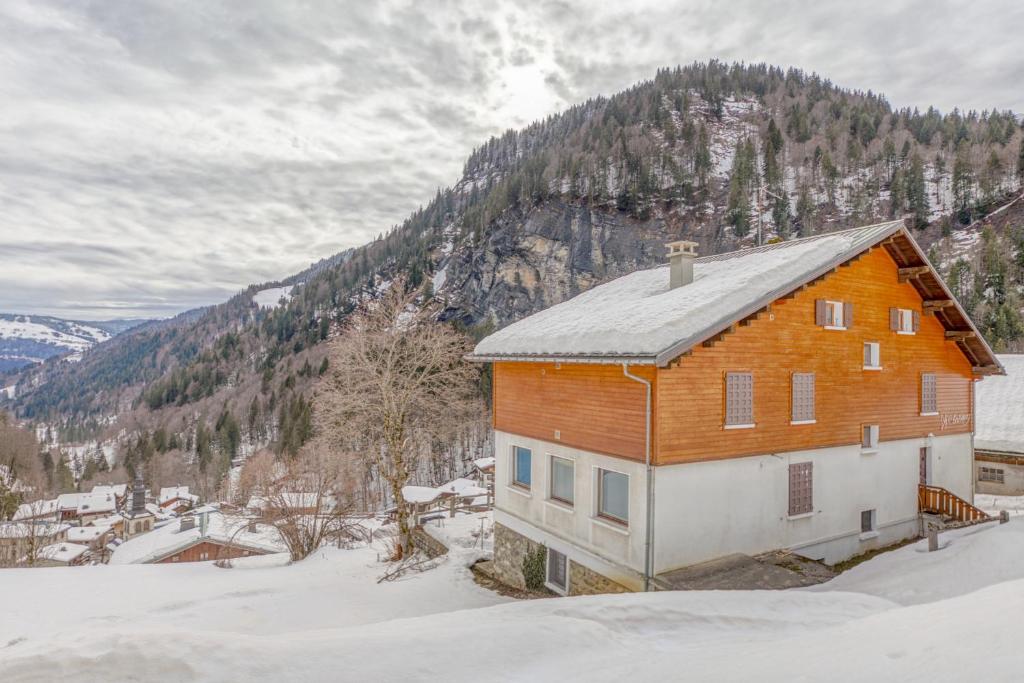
x,y
156,156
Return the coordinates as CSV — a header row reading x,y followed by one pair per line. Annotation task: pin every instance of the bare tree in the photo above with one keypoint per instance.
x,y
308,503
33,529
398,383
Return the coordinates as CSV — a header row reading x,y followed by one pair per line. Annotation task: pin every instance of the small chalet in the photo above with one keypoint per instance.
x,y
800,396
62,555
177,499
19,538
206,535
999,440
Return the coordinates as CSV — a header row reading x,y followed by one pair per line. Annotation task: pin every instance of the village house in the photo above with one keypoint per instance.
x,y
176,499
64,554
18,539
999,439
206,535
794,396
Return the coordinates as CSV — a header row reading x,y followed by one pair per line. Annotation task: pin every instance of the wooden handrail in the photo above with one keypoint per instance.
x,y
938,500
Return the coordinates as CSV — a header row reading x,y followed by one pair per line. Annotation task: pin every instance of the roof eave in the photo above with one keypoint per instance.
x,y
592,359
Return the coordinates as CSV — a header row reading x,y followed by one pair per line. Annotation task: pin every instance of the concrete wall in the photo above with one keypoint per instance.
x,y
576,528
1013,476
709,509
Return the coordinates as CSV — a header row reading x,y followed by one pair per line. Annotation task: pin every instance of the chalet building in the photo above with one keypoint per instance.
x,y
999,439
798,395
21,538
205,536
177,499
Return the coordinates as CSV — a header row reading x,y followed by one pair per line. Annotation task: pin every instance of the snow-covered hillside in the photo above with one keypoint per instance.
x,y
271,298
906,615
28,339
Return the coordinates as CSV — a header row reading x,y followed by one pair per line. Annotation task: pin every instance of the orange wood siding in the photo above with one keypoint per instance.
x,y
213,551
594,407
691,395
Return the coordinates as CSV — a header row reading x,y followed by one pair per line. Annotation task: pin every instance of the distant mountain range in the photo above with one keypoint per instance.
x,y
30,339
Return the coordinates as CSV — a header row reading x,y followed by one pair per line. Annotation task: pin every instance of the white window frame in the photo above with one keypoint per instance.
x,y
512,482
561,590
833,313
875,356
991,475
872,445
906,318
551,481
599,515
873,531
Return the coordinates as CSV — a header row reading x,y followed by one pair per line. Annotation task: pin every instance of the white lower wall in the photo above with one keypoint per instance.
x,y
578,525
706,510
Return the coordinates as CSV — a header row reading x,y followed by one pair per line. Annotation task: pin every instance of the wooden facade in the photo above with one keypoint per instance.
x,y
595,408
208,551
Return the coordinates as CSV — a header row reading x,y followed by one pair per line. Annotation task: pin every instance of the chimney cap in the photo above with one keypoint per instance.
x,y
684,247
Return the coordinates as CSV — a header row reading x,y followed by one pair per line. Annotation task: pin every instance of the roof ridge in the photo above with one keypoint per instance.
x,y
785,243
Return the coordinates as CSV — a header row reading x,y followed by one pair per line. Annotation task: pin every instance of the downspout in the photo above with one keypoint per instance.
x,y
649,528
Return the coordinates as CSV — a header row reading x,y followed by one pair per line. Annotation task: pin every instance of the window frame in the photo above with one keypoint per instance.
x,y
801,419
837,308
874,355
599,512
933,403
551,480
514,479
906,321
872,530
748,424
563,589
869,445
991,475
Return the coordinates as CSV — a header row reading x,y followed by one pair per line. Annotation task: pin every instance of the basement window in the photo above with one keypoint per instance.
x,y
868,525
992,474
557,571
869,438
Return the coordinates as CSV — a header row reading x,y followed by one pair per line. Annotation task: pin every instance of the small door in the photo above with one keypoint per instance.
x,y
924,465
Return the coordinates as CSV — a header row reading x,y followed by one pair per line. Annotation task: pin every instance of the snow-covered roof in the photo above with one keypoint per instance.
x,y
31,529
462,487
40,508
93,503
62,552
118,490
484,463
86,534
69,501
638,316
171,493
420,494
292,499
999,423
169,539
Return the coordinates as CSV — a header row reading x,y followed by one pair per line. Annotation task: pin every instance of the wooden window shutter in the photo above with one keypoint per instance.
x,y
917,320
847,314
819,312
739,398
894,319
801,488
929,394
803,396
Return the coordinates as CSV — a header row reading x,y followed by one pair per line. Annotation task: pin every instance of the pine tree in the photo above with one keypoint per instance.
x,y
702,158
1020,162
917,192
963,184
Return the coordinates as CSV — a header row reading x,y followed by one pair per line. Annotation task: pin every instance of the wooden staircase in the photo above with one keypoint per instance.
x,y
939,501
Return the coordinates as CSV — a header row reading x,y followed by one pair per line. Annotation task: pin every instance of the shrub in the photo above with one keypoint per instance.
x,y
534,564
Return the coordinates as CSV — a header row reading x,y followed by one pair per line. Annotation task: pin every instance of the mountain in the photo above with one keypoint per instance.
x,y
31,339
725,155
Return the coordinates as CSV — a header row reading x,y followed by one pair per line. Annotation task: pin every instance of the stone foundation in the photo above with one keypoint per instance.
x,y
509,550
430,546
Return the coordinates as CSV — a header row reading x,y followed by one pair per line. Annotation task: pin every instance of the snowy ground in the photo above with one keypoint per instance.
x,y
906,615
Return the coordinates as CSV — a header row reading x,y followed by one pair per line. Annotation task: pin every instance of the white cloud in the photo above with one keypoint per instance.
x,y
160,155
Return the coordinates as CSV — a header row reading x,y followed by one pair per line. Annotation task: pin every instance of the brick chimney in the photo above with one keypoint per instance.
x,y
681,256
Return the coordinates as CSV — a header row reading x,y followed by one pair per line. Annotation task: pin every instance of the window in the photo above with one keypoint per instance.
x,y
867,521
521,460
801,489
929,400
833,315
562,480
904,320
869,437
803,397
557,574
613,495
993,474
739,400
872,356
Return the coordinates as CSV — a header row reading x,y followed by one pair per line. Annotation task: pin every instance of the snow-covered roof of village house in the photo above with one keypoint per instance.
x,y
62,552
92,503
118,490
420,494
1000,408
639,318
40,508
31,529
86,534
484,463
221,528
462,487
170,493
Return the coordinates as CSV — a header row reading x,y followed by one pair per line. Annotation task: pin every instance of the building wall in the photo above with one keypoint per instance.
x,y
1013,474
591,407
578,525
705,510
691,393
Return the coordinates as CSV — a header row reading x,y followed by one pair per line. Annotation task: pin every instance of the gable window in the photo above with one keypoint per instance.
x,y
929,391
872,356
904,320
739,400
613,495
803,398
869,437
993,474
558,577
833,315
562,471
521,462
801,489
